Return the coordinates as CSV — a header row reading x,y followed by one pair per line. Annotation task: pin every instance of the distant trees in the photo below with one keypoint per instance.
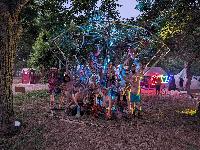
x,y
177,23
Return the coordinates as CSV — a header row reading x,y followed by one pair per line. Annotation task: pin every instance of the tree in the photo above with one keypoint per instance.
x,y
63,23
10,30
41,54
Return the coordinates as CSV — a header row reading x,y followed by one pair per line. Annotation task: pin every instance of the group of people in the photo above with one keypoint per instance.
x,y
104,94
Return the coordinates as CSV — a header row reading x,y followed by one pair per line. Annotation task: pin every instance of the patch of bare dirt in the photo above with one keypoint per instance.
x,y
30,87
161,127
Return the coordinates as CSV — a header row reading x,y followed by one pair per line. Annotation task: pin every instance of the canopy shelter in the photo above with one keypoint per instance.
x,y
151,74
195,82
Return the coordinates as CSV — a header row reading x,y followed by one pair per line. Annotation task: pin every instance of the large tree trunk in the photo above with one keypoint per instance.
x,y
10,30
188,76
198,110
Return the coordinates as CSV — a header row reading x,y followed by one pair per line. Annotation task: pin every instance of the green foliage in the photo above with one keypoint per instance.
x,y
82,6
31,30
41,54
55,18
39,15
109,7
144,5
108,35
177,23
173,64
20,99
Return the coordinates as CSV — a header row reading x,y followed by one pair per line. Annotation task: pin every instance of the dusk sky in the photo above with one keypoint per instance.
x,y
128,9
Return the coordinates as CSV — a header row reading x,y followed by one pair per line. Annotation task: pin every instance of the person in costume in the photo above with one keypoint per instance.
x,y
134,97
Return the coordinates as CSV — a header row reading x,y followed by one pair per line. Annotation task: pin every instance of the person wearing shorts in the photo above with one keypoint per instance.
x,y
134,93
135,98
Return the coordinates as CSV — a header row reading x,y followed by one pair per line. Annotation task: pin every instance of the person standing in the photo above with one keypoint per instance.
x,y
134,94
181,81
172,84
53,80
158,85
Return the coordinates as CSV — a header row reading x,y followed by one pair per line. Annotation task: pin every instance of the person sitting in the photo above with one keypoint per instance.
x,y
79,98
66,90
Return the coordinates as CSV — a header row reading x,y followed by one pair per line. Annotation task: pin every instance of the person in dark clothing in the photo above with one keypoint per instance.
x,y
158,85
172,84
181,83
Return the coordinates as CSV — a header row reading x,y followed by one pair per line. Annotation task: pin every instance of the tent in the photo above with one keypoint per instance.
x,y
151,71
195,82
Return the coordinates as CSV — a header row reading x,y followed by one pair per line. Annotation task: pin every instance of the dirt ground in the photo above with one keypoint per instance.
x,y
161,128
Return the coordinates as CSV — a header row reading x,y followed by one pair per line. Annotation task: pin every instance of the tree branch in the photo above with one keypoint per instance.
x,y
20,5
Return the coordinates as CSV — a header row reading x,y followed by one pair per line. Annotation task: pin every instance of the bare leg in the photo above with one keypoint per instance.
x,y
61,100
104,102
133,108
52,100
139,109
129,102
75,99
109,108
71,100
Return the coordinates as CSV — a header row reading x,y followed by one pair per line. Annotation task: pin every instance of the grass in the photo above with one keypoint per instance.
x,y
35,95
26,108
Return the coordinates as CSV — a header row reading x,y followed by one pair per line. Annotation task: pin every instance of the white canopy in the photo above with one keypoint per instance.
x,y
195,83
